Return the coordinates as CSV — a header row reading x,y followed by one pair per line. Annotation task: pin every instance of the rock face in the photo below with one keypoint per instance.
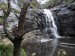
x,y
66,19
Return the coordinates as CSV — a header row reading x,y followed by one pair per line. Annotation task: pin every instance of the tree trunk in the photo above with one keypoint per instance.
x,y
17,47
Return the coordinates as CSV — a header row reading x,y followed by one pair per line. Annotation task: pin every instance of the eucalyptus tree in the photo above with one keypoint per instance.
x,y
20,30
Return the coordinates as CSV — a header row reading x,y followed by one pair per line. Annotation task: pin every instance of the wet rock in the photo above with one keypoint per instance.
x,y
66,20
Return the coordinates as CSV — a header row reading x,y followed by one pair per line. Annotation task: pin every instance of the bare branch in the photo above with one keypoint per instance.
x,y
6,31
7,13
20,31
28,30
22,16
23,32
9,7
4,12
16,16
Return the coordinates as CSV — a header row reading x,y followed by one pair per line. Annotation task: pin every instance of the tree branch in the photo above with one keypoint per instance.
x,y
6,31
28,30
9,7
6,14
22,16
23,32
20,30
16,16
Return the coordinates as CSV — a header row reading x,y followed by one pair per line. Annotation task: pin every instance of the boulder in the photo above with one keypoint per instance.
x,y
35,43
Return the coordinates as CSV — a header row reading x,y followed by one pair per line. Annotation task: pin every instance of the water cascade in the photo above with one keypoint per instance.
x,y
51,26
50,23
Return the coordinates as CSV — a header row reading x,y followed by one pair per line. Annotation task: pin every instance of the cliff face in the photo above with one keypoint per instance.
x,y
65,16
65,19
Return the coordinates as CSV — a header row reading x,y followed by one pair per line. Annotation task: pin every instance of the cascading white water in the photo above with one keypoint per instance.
x,y
50,25
49,19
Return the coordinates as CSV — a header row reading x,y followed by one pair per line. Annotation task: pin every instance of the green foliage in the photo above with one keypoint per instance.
x,y
34,4
1,20
67,1
23,52
20,4
3,6
15,11
6,50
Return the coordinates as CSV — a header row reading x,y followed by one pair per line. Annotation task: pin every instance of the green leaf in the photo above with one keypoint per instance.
x,y
23,52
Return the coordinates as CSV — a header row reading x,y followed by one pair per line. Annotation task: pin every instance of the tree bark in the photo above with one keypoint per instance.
x,y
22,16
17,47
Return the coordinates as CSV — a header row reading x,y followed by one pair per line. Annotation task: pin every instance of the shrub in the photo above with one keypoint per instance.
x,y
7,50
23,52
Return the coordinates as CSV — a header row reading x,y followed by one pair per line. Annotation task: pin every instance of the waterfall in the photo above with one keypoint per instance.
x,y
50,23
51,26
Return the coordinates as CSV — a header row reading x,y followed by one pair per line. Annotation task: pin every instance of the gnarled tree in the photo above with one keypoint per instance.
x,y
18,33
